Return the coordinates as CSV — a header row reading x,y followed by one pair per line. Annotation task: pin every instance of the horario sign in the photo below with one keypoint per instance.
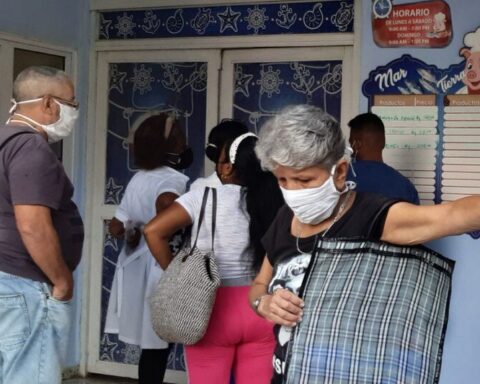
x,y
426,24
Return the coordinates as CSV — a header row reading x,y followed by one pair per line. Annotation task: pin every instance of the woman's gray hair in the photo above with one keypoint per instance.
x,y
37,81
300,136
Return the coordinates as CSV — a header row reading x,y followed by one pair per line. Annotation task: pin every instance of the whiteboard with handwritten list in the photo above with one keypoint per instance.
x,y
411,132
461,149
432,127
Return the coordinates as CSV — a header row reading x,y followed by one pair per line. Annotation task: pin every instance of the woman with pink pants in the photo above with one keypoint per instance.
x,y
237,342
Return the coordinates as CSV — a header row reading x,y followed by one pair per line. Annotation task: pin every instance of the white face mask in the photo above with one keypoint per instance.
x,y
314,205
58,130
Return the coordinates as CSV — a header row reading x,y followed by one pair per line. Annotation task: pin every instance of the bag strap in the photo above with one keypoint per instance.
x,y
214,214
13,136
202,215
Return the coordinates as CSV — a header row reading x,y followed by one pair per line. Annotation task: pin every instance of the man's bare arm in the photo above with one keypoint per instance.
x,y
34,222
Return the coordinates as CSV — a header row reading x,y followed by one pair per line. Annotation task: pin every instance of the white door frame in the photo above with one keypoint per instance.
x,y
98,47
98,211
101,211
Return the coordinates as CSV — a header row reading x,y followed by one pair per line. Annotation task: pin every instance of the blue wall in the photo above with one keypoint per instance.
x,y
64,23
461,354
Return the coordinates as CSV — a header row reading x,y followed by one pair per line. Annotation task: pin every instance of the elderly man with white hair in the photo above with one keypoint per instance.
x,y
370,305
41,231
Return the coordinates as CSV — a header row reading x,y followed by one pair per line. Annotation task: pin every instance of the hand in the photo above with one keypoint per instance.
x,y
283,307
133,237
63,290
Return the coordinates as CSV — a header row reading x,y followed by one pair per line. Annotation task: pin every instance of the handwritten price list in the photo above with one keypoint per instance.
x,y
461,147
411,130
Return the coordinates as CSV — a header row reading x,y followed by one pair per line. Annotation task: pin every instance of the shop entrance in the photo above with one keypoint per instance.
x,y
200,87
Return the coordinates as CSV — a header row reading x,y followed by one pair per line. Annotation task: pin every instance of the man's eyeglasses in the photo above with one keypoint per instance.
x,y
71,103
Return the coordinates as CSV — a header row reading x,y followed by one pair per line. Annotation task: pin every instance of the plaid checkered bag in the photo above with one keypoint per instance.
x,y
375,313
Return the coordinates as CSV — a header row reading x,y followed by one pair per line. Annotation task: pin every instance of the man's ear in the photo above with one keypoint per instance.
x,y
357,149
48,105
356,145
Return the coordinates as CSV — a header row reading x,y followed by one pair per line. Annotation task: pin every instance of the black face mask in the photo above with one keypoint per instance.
x,y
180,160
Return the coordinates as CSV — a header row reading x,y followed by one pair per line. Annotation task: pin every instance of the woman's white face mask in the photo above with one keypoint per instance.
x,y
314,205
61,128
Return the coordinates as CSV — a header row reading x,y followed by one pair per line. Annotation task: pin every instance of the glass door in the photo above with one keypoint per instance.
x,y
131,87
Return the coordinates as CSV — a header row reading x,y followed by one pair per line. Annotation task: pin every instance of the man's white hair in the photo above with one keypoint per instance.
x,y
37,81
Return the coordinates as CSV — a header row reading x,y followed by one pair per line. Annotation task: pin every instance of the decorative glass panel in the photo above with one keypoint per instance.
x,y
333,16
112,349
138,90
262,89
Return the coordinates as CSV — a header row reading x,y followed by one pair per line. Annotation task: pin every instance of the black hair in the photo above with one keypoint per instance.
x,y
149,142
367,121
219,135
262,194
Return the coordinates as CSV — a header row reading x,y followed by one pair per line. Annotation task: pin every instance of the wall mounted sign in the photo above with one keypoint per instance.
x,y
260,19
425,24
432,122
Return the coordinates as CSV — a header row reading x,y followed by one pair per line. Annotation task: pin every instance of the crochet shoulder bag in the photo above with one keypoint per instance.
x,y
182,302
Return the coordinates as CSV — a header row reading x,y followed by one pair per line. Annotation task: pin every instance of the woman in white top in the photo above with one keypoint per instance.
x,y
236,340
159,145
222,133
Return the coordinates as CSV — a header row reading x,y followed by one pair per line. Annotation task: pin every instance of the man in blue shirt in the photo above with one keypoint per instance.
x,y
367,139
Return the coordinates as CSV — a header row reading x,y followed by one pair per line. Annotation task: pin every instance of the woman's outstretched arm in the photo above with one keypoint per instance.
x,y
161,228
409,224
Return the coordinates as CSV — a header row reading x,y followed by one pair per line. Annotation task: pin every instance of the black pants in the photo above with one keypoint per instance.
x,y
152,366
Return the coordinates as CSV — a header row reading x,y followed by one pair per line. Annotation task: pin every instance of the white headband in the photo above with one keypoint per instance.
x,y
168,126
234,147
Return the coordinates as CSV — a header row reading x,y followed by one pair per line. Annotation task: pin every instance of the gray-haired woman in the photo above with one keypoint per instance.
x,y
352,299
